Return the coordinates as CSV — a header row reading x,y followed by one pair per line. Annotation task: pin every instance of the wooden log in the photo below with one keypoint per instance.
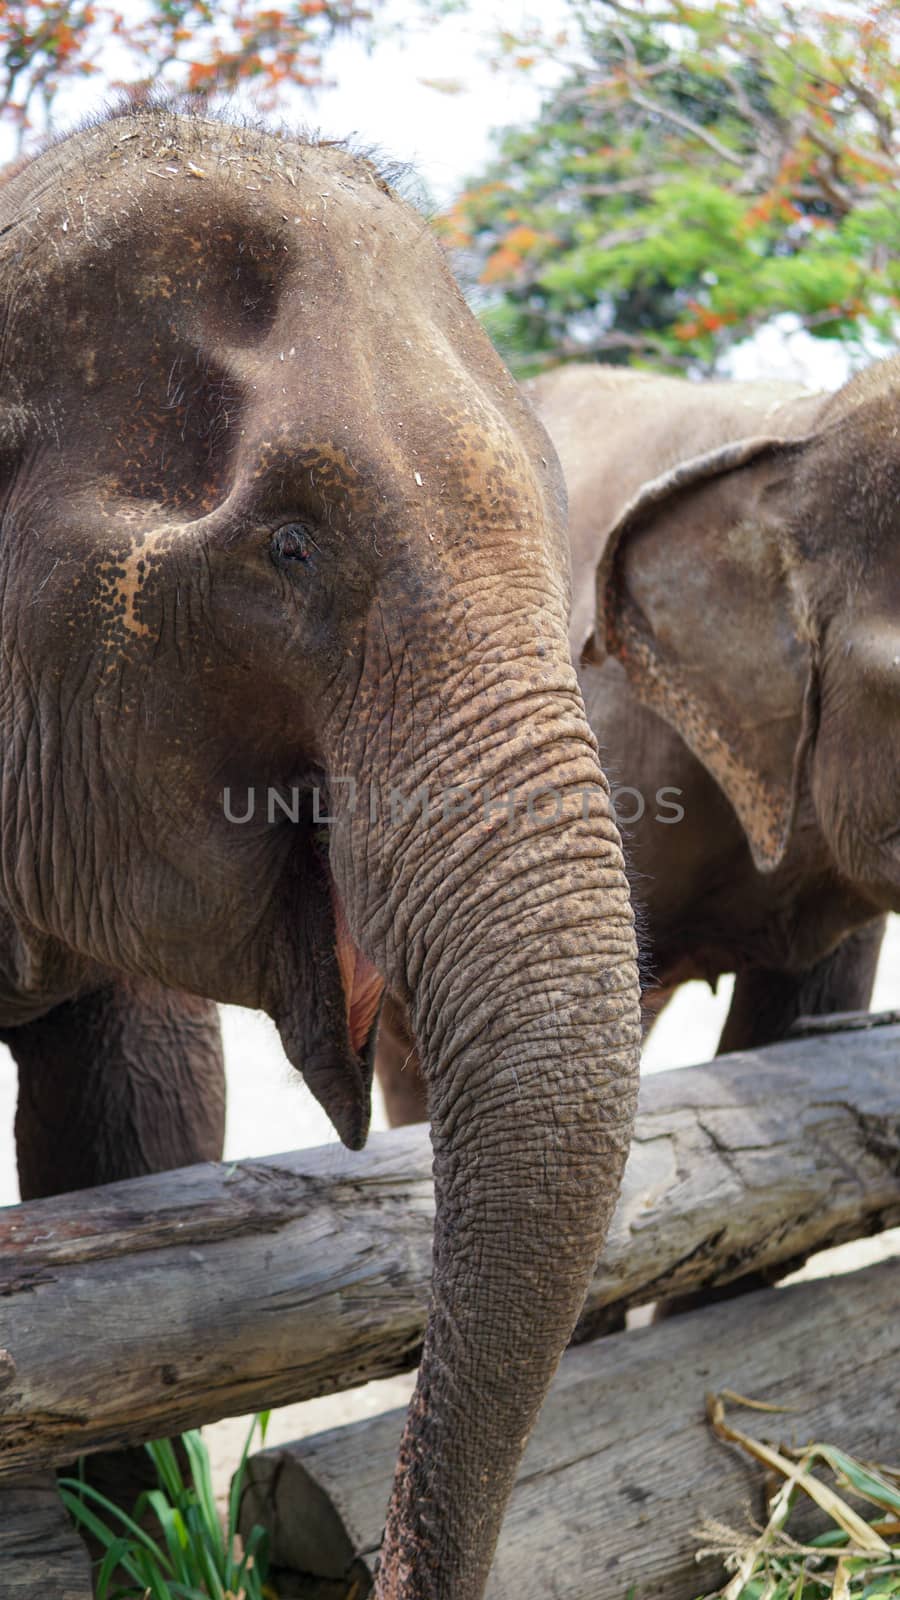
x,y
41,1555
146,1307
841,1022
622,1467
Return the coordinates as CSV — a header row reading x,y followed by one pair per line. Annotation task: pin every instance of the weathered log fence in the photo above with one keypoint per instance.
x,y
622,1467
150,1306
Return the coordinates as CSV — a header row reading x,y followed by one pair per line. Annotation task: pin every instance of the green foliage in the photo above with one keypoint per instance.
x,y
696,171
855,1557
192,1557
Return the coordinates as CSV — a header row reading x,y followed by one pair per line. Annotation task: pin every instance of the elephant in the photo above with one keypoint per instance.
x,y
736,627
284,551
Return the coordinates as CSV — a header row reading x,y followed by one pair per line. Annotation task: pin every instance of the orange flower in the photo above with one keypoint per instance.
x,y
521,239
501,264
200,73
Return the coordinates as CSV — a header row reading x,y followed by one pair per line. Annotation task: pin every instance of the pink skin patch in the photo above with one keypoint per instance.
x,y
363,985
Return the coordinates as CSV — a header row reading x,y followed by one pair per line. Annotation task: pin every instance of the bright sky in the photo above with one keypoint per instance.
x,y
384,97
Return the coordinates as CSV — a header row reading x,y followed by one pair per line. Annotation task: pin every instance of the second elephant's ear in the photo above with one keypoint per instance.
x,y
694,598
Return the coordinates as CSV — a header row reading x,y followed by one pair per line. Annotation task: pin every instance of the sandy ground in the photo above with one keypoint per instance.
x,y
270,1110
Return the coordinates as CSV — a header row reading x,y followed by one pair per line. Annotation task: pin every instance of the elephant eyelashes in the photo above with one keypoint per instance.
x,y
292,546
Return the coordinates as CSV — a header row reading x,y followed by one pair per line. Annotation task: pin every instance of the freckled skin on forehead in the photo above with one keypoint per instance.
x,y
243,311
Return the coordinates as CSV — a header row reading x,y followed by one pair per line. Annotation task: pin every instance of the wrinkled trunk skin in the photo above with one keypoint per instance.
x,y
513,945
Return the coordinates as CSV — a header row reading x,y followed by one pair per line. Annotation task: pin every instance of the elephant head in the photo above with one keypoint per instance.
x,y
284,614
752,593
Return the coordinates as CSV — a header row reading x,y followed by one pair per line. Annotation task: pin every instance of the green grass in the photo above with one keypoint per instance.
x,y
191,1557
856,1557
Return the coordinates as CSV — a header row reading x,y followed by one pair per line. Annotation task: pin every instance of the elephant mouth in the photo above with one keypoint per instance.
x,y
326,994
362,984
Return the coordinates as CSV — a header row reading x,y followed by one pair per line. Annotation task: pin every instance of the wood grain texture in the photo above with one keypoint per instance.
x,y
622,1466
842,1022
41,1555
140,1309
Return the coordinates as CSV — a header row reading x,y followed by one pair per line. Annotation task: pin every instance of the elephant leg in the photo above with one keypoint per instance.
x,y
125,1081
766,1003
397,1067
763,1008
118,1083
653,1004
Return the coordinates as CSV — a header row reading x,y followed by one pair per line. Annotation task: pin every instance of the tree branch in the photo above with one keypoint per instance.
x,y
606,343
891,169
654,108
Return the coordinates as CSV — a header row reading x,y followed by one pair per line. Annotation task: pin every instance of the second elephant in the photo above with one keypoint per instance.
x,y
736,620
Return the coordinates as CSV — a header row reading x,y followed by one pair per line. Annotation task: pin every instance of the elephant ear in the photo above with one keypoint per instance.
x,y
694,599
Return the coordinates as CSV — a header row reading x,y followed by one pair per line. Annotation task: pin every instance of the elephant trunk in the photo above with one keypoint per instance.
x,y
518,953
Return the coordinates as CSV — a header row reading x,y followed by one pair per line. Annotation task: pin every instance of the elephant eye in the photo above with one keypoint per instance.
x,y
292,545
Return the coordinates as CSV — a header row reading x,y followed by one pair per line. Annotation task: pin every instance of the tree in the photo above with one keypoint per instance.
x,y
697,170
194,46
